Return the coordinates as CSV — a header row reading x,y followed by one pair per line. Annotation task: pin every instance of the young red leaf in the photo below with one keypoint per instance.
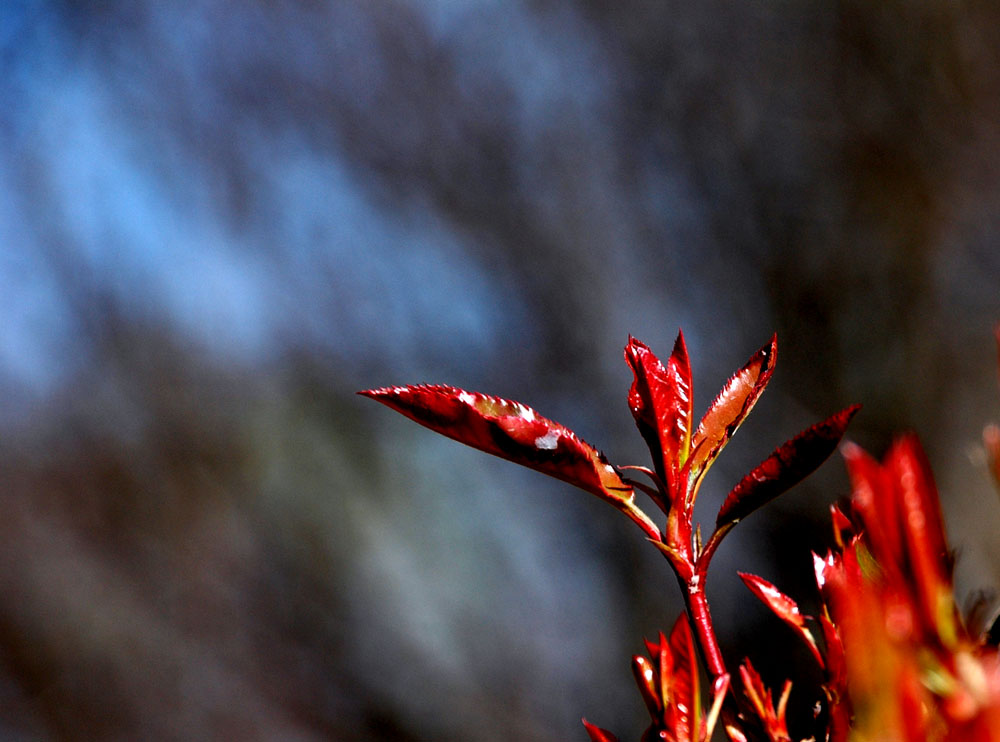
x,y
897,504
841,525
873,502
923,532
719,689
648,679
684,709
515,432
772,719
731,407
835,685
669,685
787,466
661,402
784,607
597,734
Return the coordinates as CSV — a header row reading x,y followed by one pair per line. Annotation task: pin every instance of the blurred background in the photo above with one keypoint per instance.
x,y
219,220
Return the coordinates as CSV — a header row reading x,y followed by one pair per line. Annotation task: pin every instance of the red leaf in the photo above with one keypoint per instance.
x,y
787,466
898,506
923,531
841,525
661,403
731,407
684,709
762,701
784,607
873,502
597,734
647,678
719,689
835,686
515,432
669,684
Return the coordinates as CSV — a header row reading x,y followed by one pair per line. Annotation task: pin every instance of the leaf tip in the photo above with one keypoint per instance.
x,y
680,342
597,734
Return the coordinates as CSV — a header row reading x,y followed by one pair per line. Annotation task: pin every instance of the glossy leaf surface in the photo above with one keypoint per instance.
x,y
731,406
685,692
515,432
647,677
784,608
668,681
787,466
661,403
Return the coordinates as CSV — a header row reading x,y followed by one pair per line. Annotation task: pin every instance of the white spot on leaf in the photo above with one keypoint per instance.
x,y
547,442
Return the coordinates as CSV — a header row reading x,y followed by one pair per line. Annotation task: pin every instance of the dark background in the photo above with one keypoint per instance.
x,y
220,219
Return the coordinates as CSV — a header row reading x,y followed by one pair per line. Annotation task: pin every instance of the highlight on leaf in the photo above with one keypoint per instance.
x,y
661,402
668,679
515,432
784,608
731,406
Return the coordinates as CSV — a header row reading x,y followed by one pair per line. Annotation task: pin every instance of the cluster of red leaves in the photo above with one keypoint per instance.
x,y
669,683
898,662
910,668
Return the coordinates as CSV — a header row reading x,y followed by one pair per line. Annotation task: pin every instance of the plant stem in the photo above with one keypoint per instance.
x,y
701,624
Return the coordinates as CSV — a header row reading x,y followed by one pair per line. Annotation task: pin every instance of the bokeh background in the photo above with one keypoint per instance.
x,y
218,220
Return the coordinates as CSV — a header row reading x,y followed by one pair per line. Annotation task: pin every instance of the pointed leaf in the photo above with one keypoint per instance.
x,y
684,708
762,701
784,607
731,407
597,734
787,466
841,525
647,678
754,690
874,504
719,689
836,668
923,532
515,432
661,402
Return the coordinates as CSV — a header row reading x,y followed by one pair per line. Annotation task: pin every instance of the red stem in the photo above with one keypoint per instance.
x,y
701,623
